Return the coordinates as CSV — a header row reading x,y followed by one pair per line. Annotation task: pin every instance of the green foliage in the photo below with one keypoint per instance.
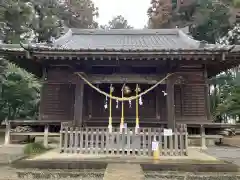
x,y
34,148
214,21
118,22
78,14
236,3
35,21
20,94
25,20
225,97
46,23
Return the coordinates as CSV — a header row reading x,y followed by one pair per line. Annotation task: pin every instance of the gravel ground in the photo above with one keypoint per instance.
x,y
190,176
230,154
7,172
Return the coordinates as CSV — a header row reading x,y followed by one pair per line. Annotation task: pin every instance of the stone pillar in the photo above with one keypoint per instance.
x,y
203,137
78,104
7,132
170,103
46,130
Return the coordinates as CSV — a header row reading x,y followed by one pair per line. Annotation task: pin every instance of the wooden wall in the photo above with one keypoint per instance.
x,y
190,101
58,94
57,102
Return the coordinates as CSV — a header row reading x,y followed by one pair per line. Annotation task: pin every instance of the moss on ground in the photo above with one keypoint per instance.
x,y
35,148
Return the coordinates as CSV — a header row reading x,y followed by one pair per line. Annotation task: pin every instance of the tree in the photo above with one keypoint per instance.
x,y
226,86
171,13
232,37
118,22
16,17
208,20
78,14
46,23
28,20
214,21
159,14
20,94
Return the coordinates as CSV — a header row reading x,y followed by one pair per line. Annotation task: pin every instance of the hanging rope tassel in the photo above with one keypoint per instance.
x,y
106,103
122,116
110,110
137,111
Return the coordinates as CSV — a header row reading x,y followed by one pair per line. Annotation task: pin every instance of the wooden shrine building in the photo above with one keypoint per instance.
x,y
117,57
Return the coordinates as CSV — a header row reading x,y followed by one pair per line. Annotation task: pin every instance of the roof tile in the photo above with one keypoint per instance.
x,y
163,39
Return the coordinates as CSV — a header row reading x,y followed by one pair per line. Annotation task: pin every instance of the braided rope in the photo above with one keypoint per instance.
x,y
122,98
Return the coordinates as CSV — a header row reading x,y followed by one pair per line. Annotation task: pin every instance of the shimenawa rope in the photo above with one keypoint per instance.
x,y
122,98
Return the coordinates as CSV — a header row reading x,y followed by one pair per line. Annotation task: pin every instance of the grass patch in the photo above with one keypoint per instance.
x,y
35,148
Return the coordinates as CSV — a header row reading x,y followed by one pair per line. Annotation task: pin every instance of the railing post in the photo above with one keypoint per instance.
x,y
186,139
61,139
7,132
45,140
203,137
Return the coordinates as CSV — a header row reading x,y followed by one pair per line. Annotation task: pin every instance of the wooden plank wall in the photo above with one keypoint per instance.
x,y
190,98
57,102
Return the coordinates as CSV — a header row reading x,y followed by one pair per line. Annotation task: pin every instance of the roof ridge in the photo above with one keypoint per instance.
x,y
188,39
124,31
63,39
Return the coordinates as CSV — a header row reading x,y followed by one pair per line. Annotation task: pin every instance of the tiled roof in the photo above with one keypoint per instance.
x,y
123,40
129,40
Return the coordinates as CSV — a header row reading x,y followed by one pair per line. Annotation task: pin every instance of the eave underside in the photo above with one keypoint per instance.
x,y
34,62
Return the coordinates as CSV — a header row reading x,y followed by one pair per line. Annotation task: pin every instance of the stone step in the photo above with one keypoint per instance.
x,y
116,171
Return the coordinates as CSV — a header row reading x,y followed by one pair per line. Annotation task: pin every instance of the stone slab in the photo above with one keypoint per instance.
x,y
226,153
190,176
116,171
11,153
194,154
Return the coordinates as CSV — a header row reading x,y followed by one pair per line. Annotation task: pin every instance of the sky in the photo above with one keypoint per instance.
x,y
134,11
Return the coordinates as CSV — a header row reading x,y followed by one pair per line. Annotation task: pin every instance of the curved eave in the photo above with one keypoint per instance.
x,y
30,59
159,51
20,57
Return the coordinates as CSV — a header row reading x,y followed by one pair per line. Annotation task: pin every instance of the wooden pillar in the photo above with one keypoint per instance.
x,y
44,84
158,105
170,103
207,98
78,104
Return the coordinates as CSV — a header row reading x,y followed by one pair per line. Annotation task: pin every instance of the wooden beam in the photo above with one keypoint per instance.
x,y
158,91
122,78
44,77
78,105
207,98
170,103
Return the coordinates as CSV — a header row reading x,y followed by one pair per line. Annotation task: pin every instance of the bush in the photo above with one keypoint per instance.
x,y
236,3
34,148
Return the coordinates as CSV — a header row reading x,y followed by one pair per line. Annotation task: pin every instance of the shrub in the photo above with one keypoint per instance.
x,y
34,148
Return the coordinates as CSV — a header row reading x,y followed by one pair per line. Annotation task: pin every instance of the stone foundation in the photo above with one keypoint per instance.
x,y
197,142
